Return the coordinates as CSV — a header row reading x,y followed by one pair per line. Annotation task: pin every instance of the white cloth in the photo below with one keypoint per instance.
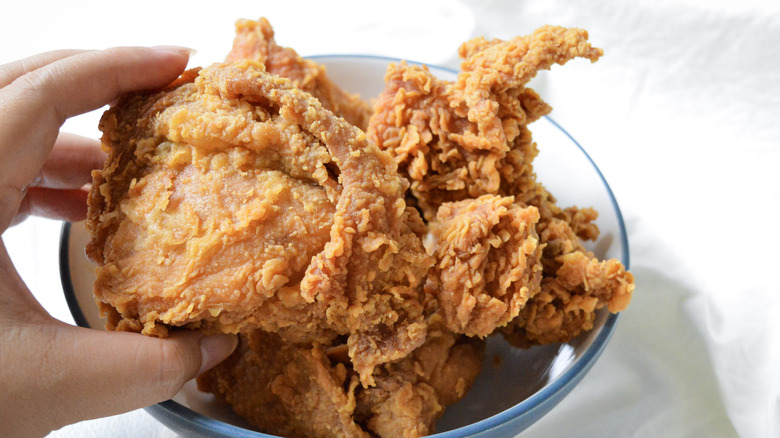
x,y
680,115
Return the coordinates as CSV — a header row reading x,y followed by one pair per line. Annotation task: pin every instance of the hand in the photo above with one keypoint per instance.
x,y
53,374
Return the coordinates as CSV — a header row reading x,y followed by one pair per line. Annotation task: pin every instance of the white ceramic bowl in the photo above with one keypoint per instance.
x,y
505,399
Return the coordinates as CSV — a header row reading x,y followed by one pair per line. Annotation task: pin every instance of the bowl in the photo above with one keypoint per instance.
x,y
516,386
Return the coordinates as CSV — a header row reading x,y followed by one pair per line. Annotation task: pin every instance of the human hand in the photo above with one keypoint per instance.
x,y
51,373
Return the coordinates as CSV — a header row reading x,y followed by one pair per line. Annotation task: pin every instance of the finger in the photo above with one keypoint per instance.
x,y
16,304
144,370
87,374
68,204
13,70
33,107
70,163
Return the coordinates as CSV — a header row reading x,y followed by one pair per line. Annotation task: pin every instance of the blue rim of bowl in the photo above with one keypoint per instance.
x,y
532,408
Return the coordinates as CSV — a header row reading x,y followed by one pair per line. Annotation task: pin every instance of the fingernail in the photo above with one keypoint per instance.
x,y
178,50
214,349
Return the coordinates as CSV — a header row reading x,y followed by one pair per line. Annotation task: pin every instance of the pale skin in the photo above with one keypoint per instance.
x,y
51,373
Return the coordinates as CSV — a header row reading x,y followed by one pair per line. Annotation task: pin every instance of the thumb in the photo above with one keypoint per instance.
x,y
106,373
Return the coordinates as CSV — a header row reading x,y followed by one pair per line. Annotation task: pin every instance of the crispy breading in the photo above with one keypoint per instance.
x,y
238,201
460,141
411,394
575,285
285,389
312,391
255,41
242,199
463,139
487,262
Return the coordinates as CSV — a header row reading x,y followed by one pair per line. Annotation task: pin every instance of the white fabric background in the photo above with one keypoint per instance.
x,y
680,115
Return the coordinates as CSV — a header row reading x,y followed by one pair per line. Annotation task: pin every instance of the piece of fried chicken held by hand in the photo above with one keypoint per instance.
x,y
233,200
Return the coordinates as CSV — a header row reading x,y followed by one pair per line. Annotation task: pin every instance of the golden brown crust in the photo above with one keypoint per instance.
x,y
235,200
468,138
487,262
286,390
412,393
239,201
255,41
567,303
462,141
312,391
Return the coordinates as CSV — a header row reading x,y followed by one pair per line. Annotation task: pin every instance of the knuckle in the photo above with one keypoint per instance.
x,y
37,81
39,87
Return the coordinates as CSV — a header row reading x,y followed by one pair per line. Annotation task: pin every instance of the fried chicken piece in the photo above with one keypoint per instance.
x,y
575,285
411,394
487,262
255,40
458,141
233,200
286,390
311,391
464,139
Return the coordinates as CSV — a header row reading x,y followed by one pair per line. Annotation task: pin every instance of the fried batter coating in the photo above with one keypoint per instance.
x,y
468,138
286,390
311,391
458,141
237,201
411,394
487,262
255,40
575,285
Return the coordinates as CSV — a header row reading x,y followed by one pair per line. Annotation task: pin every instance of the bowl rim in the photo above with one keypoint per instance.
x,y
533,407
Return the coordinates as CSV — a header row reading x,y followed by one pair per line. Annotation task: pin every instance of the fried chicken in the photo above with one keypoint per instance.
x,y
311,391
464,143
575,285
285,389
487,262
255,41
236,201
245,198
411,394
464,139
